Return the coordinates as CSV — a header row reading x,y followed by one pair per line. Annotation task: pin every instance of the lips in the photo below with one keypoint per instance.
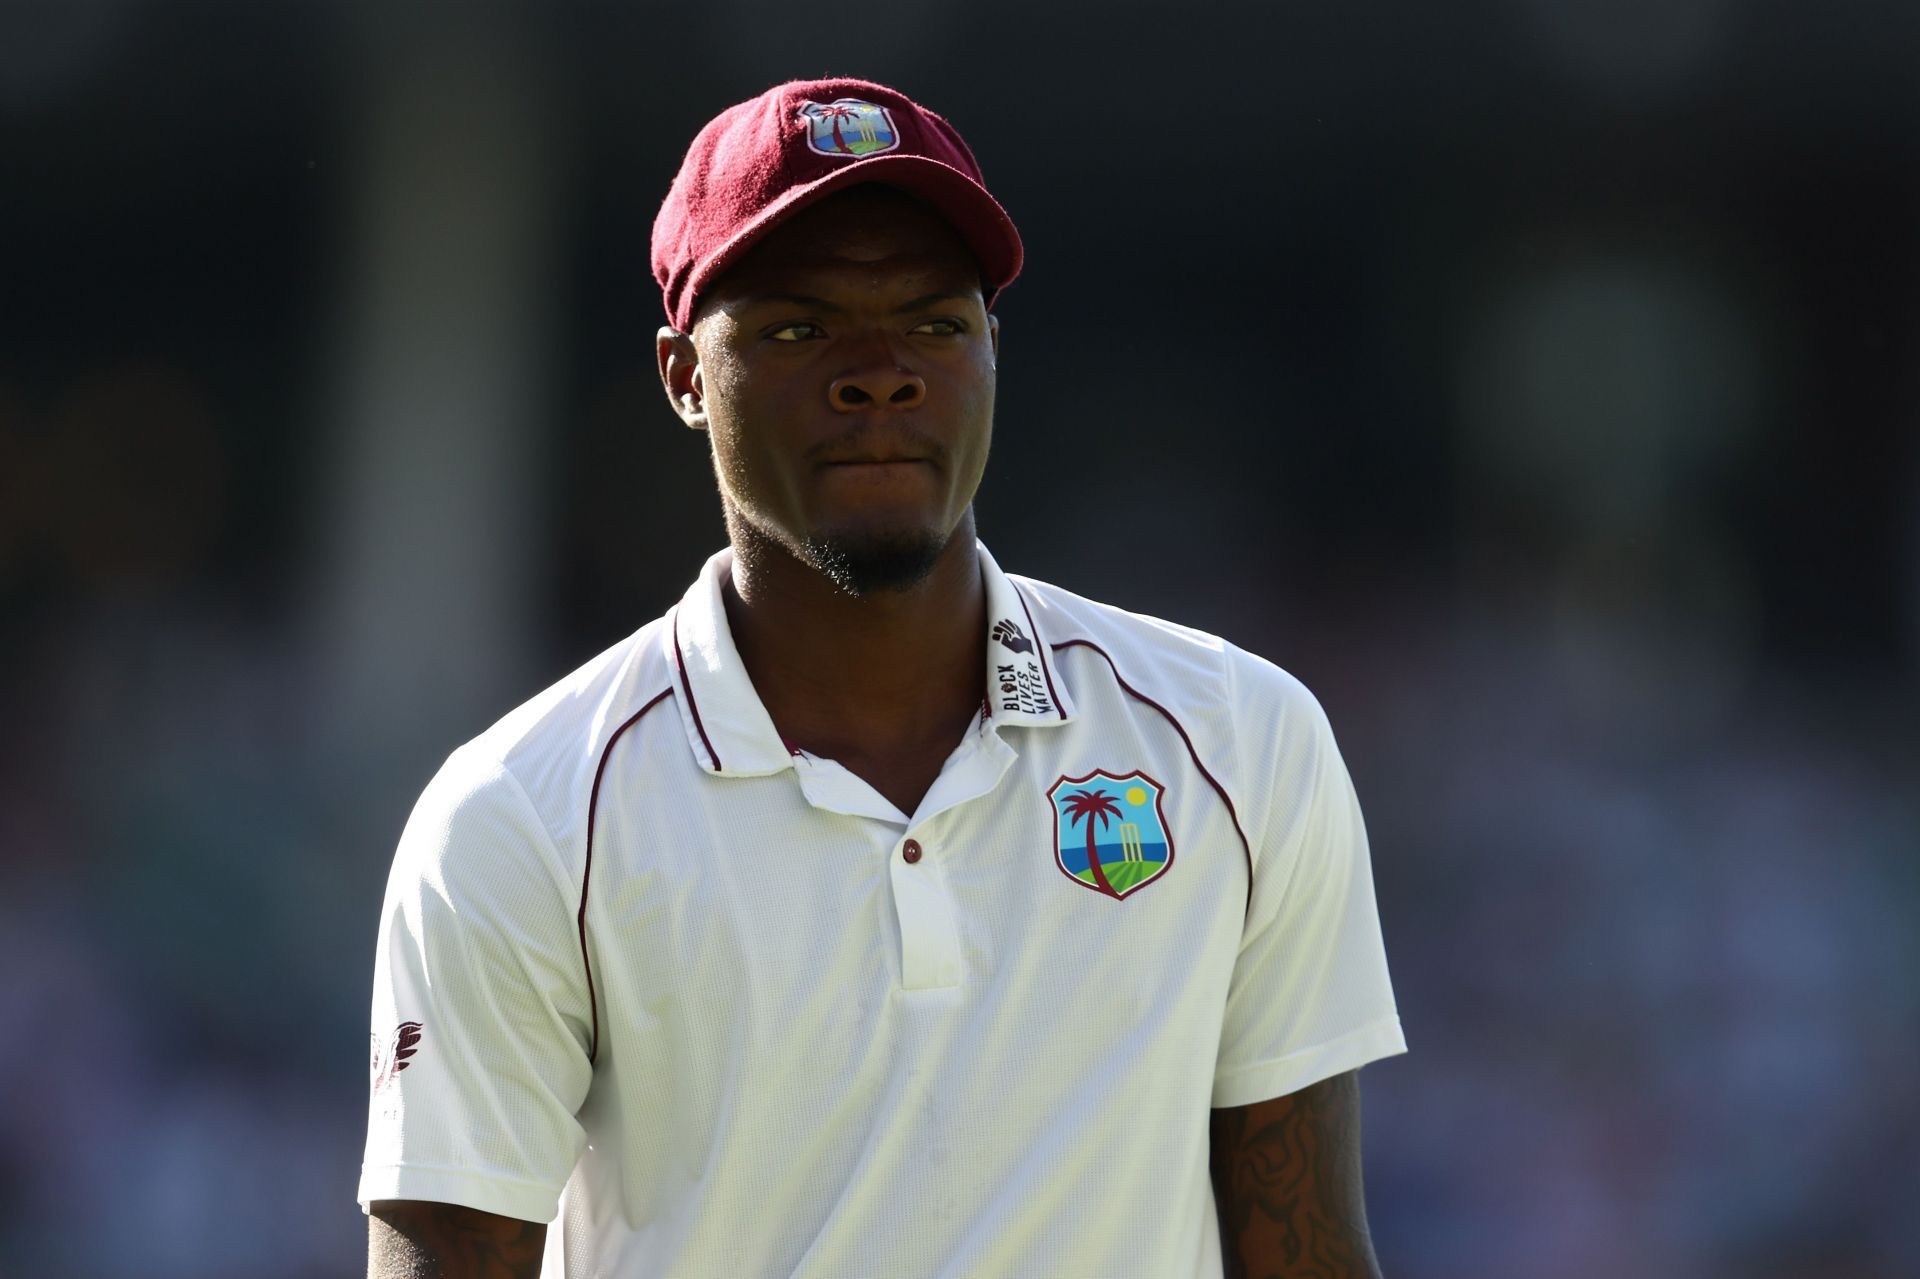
x,y
869,447
887,457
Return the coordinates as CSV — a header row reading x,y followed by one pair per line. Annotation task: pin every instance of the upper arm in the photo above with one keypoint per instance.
x,y
1287,1182
414,1239
1309,996
481,1012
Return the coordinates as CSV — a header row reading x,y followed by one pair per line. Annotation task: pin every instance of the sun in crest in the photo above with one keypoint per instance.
x,y
1136,796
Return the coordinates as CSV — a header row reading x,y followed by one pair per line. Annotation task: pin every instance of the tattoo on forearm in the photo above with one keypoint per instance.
x,y
410,1239
1286,1176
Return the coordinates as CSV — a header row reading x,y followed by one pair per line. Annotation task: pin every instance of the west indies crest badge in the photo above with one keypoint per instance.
x,y
1110,831
848,128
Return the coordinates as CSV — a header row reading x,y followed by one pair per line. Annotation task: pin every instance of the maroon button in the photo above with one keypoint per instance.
x,y
910,850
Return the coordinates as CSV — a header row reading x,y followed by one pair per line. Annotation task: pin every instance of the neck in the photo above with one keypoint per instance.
x,y
849,676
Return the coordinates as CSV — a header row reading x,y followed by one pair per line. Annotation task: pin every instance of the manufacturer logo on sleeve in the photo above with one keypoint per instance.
x,y
1110,831
848,128
394,1053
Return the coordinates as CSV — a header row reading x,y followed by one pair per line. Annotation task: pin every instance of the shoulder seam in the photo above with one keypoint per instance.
x,y
586,870
1192,752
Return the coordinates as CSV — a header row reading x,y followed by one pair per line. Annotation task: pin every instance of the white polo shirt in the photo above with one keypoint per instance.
x,y
726,1011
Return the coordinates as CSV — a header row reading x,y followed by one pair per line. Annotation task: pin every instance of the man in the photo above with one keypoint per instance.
x,y
874,912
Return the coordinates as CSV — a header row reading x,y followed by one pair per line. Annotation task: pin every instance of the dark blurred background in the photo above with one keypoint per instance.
x,y
1536,379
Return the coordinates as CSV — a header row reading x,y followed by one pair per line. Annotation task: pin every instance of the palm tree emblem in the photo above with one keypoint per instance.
x,y
849,128
1122,814
1088,806
833,115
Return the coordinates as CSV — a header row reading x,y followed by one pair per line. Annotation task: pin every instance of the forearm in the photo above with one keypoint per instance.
x,y
1287,1181
411,1239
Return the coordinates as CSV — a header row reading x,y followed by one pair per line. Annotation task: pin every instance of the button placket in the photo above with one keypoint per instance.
x,y
929,935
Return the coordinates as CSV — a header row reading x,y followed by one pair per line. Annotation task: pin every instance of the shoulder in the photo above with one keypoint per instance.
x,y
550,727
533,769
1247,722
1173,664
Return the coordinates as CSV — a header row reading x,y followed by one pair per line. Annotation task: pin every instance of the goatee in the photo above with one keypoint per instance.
x,y
871,563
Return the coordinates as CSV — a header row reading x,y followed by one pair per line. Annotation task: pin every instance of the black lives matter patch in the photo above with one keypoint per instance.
x,y
1009,634
1018,684
393,1053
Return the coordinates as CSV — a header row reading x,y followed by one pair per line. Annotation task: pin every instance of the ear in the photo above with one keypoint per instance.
x,y
680,376
993,336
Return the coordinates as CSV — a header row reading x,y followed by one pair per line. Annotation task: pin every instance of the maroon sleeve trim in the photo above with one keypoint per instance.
x,y
586,873
692,705
1212,781
1046,667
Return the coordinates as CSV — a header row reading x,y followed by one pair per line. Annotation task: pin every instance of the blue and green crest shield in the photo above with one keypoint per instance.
x,y
1110,831
848,128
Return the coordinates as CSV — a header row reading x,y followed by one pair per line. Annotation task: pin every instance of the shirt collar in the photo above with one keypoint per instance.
x,y
729,729
1021,688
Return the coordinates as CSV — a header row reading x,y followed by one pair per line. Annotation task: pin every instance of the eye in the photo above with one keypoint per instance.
x,y
945,327
798,331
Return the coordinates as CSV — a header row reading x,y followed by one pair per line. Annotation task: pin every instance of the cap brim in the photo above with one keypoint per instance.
x,y
964,203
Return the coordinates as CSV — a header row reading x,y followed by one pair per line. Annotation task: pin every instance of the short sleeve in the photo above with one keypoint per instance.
x,y
1310,996
481,1010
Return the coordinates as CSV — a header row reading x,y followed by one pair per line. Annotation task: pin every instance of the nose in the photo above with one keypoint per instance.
x,y
878,386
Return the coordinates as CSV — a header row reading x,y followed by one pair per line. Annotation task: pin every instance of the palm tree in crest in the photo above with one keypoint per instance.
x,y
833,116
1087,806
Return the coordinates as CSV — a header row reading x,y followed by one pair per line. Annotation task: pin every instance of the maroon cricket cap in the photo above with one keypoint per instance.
x,y
759,163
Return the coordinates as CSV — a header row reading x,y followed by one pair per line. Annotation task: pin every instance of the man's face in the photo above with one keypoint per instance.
x,y
845,372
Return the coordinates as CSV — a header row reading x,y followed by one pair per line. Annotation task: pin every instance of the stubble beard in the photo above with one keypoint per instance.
x,y
874,562
859,562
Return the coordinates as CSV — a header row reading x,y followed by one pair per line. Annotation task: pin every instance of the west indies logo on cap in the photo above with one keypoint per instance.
x,y
1110,831
848,128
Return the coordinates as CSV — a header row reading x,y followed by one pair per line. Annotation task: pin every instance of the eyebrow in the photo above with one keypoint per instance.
x,y
805,300
812,303
926,300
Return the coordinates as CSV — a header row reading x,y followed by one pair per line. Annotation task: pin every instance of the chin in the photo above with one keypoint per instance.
x,y
873,561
